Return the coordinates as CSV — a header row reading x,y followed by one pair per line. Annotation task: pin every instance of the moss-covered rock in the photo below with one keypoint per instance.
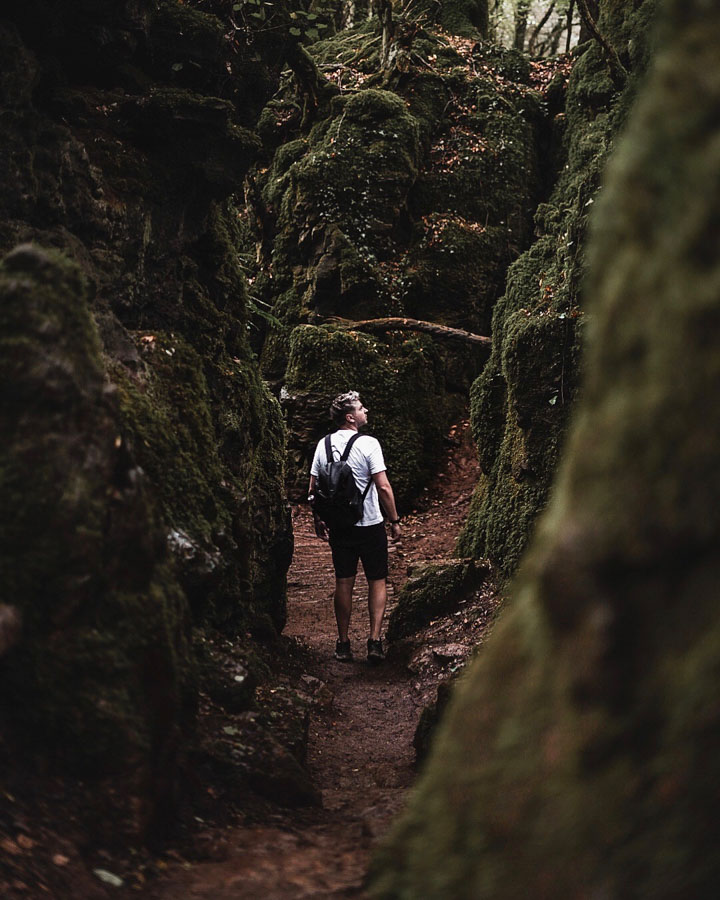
x,y
433,591
196,132
409,195
102,671
580,754
324,361
520,402
430,718
465,18
155,438
249,755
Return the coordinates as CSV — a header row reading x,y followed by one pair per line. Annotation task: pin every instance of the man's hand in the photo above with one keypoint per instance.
x,y
320,528
395,530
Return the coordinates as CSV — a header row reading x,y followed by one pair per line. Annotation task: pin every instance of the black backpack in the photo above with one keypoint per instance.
x,y
338,502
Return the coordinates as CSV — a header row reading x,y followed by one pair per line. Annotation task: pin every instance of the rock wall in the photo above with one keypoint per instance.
x,y
406,192
580,756
521,401
142,457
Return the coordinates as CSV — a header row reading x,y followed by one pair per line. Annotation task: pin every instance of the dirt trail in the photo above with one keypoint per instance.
x,y
360,752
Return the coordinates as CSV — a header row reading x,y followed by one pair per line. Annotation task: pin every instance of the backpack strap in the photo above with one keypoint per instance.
x,y
328,448
343,458
348,446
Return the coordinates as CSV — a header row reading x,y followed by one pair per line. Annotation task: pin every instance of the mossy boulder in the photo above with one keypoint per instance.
x,y
435,287
150,497
249,755
408,195
465,18
102,670
323,362
579,756
521,401
356,172
433,591
197,132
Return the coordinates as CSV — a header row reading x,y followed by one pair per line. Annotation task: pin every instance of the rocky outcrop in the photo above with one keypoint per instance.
x,y
142,454
433,591
521,401
580,754
408,195
101,668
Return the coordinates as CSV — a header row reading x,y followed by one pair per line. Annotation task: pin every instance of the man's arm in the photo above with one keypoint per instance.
x,y
387,501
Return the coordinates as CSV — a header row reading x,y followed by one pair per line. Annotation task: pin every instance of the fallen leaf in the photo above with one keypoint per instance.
x,y
60,860
10,847
108,877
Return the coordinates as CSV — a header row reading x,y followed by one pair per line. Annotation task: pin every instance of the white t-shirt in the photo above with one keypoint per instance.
x,y
365,459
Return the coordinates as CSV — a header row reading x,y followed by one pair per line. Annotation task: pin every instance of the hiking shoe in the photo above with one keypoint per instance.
x,y
376,654
343,652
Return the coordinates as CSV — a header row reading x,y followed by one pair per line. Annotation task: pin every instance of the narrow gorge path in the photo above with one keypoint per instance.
x,y
360,750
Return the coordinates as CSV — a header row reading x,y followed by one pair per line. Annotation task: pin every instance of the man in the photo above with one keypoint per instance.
x,y
366,540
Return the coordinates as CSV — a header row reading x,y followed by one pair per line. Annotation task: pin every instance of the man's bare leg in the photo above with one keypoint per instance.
x,y
377,601
343,605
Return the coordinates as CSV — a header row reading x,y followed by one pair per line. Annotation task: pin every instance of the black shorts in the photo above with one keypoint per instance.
x,y
364,542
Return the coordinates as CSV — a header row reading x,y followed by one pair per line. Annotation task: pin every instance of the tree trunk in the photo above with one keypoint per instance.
x,y
310,81
521,18
494,18
383,9
585,32
570,13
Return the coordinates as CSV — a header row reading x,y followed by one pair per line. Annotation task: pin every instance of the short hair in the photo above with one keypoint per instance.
x,y
342,405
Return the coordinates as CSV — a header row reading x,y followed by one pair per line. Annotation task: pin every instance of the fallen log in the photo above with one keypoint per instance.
x,y
400,323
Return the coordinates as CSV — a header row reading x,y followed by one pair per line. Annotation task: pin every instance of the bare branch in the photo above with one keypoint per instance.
x,y
398,323
570,12
618,72
539,27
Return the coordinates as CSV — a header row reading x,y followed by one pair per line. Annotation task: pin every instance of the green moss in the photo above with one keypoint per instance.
x,y
465,18
83,556
411,201
454,276
188,42
427,97
521,401
323,362
169,420
433,591
579,756
358,167
278,121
